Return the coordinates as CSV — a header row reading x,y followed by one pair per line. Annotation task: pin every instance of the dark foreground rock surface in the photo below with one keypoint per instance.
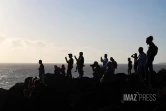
x,y
86,94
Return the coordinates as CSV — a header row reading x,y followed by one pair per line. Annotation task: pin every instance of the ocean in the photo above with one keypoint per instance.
x,y
14,73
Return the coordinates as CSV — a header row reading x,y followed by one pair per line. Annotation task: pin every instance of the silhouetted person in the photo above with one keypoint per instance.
x,y
70,65
56,69
135,61
80,64
76,65
113,64
63,70
129,66
41,71
104,61
109,73
151,53
96,71
141,64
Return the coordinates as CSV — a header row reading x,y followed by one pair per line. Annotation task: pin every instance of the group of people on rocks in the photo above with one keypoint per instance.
x,y
142,64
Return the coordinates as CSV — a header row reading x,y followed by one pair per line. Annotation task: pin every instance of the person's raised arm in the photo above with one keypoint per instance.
x,y
132,56
75,58
101,59
66,59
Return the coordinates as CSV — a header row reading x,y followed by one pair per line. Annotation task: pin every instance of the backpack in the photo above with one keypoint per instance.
x,y
116,65
155,51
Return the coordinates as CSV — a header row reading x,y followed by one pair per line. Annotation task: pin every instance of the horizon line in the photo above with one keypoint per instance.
x,y
55,63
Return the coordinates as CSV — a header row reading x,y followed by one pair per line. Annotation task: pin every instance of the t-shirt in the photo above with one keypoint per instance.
x,y
41,70
105,61
130,64
142,60
70,63
113,64
80,61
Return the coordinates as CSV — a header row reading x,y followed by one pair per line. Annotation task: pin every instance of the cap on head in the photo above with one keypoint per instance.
x,y
70,54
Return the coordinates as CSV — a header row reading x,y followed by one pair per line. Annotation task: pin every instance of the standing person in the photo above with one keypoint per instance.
x,y
80,64
141,64
113,64
41,71
151,53
70,65
129,66
135,61
104,61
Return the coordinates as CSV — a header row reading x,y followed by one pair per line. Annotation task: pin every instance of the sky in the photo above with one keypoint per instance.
x,y
50,29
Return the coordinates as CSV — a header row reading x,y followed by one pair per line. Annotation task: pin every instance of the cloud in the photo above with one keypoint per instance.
x,y
2,39
17,43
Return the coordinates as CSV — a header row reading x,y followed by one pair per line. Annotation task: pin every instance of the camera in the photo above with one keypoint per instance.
x,y
92,65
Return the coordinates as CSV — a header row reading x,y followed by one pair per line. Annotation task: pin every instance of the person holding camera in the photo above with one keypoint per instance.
x,y
96,70
70,65
80,64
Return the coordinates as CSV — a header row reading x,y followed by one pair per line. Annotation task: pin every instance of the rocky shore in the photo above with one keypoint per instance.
x,y
86,94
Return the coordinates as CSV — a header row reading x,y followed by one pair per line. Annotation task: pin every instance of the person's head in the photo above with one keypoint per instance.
x,y
140,50
135,54
129,59
95,63
149,40
70,55
105,55
63,65
81,53
40,61
111,58
55,66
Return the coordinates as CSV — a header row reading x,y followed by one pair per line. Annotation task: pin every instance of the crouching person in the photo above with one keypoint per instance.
x,y
97,73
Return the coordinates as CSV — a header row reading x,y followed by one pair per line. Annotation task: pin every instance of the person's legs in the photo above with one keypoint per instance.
x,y
76,68
128,71
150,71
70,75
149,65
80,71
140,74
